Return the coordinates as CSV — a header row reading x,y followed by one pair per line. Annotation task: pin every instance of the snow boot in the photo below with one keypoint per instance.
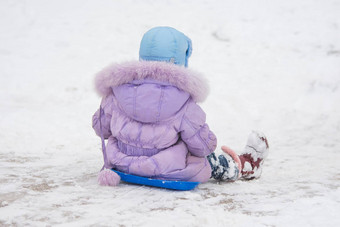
x,y
226,167
253,155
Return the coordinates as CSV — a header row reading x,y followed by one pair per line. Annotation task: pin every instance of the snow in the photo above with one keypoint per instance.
x,y
272,66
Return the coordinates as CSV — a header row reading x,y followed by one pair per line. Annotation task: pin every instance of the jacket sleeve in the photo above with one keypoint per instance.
x,y
106,115
196,133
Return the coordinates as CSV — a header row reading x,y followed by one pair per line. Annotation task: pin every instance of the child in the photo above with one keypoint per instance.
x,y
153,125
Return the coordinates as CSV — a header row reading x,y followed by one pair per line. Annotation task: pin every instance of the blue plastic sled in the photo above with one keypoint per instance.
x,y
174,185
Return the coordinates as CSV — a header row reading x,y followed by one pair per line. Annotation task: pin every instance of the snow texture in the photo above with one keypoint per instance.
x,y
272,66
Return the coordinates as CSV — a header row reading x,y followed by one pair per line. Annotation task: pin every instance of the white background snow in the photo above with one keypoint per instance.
x,y
272,66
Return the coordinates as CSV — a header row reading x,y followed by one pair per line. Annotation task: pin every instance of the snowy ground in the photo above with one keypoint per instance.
x,y
272,65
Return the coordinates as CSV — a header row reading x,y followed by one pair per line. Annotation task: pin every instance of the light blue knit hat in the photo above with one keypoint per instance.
x,y
165,44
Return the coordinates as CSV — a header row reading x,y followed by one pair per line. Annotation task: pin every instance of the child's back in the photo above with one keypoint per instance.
x,y
149,113
154,126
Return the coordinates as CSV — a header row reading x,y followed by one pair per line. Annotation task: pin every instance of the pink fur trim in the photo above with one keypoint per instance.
x,y
234,156
183,78
107,177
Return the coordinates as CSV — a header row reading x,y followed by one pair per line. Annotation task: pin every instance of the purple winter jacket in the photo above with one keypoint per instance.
x,y
152,122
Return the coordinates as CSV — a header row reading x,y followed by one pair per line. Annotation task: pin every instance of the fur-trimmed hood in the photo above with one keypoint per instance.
x,y
183,78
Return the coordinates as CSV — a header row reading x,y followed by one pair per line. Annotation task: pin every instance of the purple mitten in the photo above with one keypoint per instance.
x,y
107,177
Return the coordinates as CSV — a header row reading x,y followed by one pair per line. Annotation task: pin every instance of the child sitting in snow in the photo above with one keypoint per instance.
x,y
152,124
